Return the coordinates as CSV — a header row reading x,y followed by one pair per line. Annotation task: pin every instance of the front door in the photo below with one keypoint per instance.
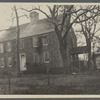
x,y
22,62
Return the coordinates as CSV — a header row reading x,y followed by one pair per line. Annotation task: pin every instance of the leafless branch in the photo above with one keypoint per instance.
x,y
72,24
38,10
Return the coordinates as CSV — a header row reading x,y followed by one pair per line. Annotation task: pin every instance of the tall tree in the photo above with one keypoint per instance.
x,y
17,17
17,40
89,29
63,26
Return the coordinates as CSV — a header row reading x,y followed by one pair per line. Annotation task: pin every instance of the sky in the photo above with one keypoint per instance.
x,y
6,14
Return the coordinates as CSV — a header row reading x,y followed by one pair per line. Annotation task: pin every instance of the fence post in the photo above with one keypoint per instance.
x,y
79,67
48,74
9,81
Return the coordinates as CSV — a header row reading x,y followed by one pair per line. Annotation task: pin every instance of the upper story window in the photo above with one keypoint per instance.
x,y
45,40
2,62
1,48
21,44
9,61
35,57
8,47
46,57
35,41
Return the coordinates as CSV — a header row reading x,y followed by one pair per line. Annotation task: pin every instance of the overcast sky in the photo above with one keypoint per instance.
x,y
6,14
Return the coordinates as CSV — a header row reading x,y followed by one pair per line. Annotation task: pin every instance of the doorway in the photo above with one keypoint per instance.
x,y
22,62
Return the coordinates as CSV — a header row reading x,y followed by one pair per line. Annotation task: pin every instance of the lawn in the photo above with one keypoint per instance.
x,y
59,84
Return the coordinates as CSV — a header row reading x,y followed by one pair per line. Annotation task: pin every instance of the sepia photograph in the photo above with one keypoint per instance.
x,y
49,49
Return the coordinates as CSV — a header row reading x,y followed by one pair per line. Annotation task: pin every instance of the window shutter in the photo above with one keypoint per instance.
x,y
1,48
8,46
45,40
35,41
46,57
2,62
9,61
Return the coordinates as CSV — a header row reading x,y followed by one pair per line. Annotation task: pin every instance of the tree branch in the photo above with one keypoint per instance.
x,y
38,10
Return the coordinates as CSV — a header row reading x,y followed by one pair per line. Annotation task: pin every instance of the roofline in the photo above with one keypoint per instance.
x,y
26,37
31,35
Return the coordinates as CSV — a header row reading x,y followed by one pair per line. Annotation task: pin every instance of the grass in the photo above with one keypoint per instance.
x,y
59,84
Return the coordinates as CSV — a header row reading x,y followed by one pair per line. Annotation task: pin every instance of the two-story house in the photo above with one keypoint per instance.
x,y
38,47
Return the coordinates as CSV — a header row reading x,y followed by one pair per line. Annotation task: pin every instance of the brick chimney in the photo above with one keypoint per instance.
x,y
34,17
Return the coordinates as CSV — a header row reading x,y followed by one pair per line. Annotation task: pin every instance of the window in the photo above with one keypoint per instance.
x,y
9,61
8,47
35,57
46,57
35,41
2,62
45,40
21,45
1,48
72,59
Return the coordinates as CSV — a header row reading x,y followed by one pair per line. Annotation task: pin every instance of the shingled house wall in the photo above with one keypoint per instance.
x,y
52,47
5,70
38,28
55,63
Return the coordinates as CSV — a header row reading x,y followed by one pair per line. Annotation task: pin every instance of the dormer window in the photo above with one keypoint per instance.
x,y
1,48
21,44
35,41
8,46
45,40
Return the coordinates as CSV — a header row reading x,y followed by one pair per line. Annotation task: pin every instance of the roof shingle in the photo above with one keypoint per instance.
x,y
28,29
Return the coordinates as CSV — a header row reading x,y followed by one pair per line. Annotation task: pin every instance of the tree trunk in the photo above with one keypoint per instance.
x,y
17,40
63,51
94,61
66,66
90,65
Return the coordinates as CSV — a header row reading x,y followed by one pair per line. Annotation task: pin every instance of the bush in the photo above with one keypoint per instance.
x,y
36,68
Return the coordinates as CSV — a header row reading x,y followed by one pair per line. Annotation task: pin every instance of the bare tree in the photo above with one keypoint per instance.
x,y
18,33
18,36
63,26
89,30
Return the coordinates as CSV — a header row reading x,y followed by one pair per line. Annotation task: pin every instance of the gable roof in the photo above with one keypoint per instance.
x,y
31,29
28,29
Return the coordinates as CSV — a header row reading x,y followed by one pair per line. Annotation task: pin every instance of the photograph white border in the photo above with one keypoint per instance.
x,y
50,96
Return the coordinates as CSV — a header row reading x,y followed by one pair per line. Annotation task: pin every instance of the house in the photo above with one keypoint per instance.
x,y
38,47
97,59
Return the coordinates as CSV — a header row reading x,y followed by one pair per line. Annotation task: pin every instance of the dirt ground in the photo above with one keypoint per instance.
x,y
86,83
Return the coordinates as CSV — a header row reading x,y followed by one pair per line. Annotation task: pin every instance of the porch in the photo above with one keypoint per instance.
x,y
79,59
